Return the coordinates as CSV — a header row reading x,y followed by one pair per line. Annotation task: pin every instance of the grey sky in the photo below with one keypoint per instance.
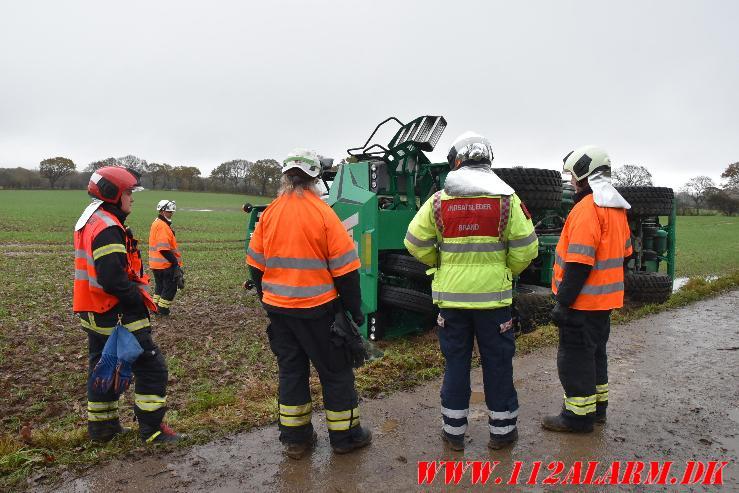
x,y
198,83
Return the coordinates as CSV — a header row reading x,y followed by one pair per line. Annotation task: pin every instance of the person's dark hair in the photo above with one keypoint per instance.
x,y
296,180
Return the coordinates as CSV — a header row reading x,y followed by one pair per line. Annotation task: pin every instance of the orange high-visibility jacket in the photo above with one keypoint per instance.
x,y
597,236
301,245
89,295
161,237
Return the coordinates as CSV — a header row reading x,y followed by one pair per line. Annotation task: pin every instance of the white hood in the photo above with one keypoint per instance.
x,y
604,194
89,211
473,180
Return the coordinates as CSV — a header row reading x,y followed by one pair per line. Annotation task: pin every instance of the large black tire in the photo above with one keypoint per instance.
x,y
406,299
532,305
648,287
648,201
404,266
538,188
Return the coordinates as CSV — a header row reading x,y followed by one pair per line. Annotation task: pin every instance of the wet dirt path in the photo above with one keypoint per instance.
x,y
674,394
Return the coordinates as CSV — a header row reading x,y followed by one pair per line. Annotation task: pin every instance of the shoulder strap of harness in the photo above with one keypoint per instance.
x,y
437,213
505,212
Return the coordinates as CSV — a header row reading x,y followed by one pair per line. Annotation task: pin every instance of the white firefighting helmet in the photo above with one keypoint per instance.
x,y
165,205
586,160
470,148
304,159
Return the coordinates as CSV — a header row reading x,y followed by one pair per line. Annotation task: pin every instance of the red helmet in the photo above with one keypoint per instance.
x,y
109,183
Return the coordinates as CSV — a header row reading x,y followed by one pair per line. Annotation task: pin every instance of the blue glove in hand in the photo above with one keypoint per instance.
x,y
129,350
102,374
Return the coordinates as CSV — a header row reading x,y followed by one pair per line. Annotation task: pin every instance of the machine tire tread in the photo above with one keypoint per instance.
x,y
648,201
406,299
538,188
648,287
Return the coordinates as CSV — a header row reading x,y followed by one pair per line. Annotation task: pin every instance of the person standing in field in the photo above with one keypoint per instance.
x,y
476,234
302,259
165,259
110,288
588,283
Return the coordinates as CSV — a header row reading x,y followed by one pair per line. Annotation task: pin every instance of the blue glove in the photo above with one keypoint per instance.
x,y
128,351
102,374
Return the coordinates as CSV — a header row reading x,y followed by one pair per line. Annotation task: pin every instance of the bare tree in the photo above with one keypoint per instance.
x,y
731,174
239,171
55,168
133,162
96,165
632,176
698,189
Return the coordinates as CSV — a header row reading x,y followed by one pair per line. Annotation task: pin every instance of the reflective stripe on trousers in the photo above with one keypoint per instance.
x,y
149,402
296,415
580,406
342,420
102,411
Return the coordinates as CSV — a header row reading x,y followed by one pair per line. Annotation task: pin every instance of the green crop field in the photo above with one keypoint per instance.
x,y
707,245
222,373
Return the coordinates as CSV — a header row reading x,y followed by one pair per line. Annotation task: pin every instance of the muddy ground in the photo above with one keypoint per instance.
x,y
674,394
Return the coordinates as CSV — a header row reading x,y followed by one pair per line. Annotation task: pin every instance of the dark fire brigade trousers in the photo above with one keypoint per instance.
x,y
582,364
456,339
297,342
165,289
150,384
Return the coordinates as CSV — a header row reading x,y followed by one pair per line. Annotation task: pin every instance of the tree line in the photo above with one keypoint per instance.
x,y
261,177
700,192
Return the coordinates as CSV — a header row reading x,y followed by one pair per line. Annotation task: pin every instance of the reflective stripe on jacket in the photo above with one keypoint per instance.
x,y
597,236
301,245
161,237
475,262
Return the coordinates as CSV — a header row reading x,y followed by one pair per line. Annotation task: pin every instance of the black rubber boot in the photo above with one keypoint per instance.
x,y
105,431
600,413
164,434
561,423
498,442
360,437
298,450
455,443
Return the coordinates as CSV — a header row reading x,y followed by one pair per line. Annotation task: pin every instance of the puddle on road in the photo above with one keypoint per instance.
x,y
679,282
477,397
389,426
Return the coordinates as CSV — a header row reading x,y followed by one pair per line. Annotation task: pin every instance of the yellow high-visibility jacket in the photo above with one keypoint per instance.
x,y
474,262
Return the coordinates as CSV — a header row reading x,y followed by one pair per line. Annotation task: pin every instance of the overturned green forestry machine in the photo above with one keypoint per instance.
x,y
378,192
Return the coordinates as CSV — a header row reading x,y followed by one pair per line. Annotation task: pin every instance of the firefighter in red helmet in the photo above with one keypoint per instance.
x,y
110,287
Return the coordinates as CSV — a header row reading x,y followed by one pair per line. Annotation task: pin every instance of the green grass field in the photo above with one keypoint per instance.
x,y
222,373
707,245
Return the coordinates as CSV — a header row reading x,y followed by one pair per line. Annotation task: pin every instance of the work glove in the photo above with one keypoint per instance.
x,y
179,277
128,351
358,318
104,371
561,315
345,329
